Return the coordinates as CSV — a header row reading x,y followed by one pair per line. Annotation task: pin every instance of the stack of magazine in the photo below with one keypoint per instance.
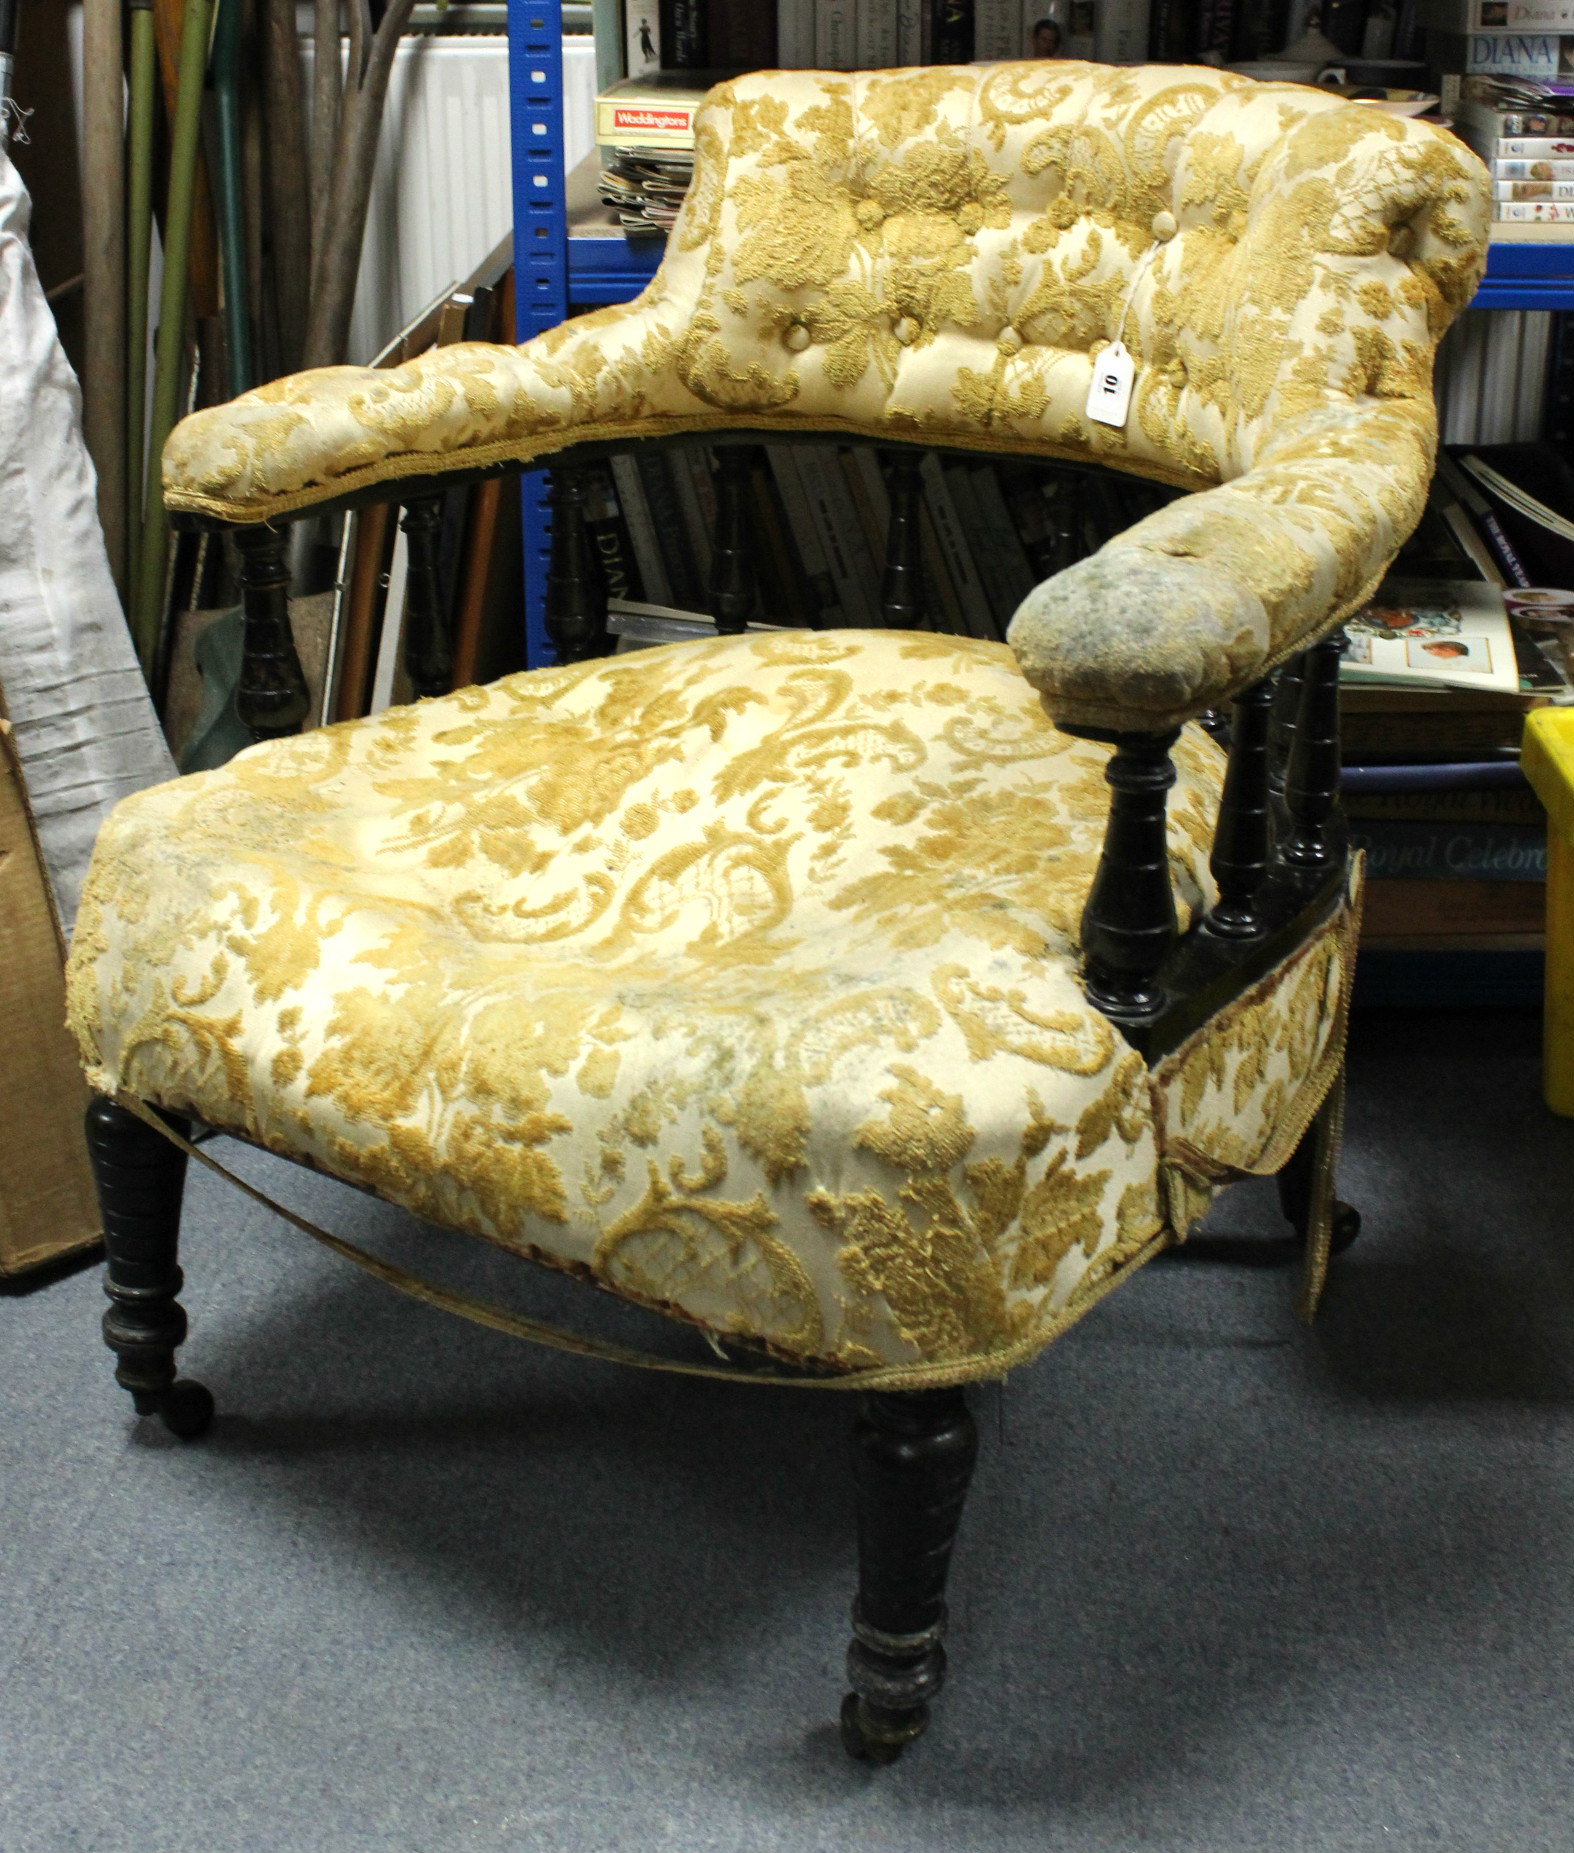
x,y
645,130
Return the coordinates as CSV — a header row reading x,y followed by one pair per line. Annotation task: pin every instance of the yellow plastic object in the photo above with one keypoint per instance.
x,y
1548,761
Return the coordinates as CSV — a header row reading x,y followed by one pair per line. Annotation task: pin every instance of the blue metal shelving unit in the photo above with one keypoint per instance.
x,y
1528,276
541,285
1519,276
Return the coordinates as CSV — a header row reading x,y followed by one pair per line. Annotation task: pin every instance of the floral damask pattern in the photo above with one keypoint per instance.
x,y
740,976
958,246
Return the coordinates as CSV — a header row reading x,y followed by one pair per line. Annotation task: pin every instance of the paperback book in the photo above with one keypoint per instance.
x,y
1439,635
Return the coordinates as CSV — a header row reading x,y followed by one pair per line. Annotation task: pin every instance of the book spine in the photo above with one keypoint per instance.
x,y
795,35
953,543
1505,167
1215,29
666,515
683,46
876,496
909,32
806,536
609,535
1026,507
874,34
1496,15
1540,55
840,538
697,499
1532,212
997,26
1120,31
742,37
1451,852
784,593
999,538
642,530
951,32
1080,28
1342,21
1521,807
835,34
942,608
1533,190
959,486
870,556
641,37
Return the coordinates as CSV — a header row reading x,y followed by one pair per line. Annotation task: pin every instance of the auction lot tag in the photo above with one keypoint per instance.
x,y
1109,396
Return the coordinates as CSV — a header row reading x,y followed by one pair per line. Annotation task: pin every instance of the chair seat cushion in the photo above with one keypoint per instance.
x,y
740,975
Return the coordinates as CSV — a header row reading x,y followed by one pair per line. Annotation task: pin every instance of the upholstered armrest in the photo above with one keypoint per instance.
x,y
1187,607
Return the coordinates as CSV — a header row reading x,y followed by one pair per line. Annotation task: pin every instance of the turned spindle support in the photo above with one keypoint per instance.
x,y
140,1177
1243,834
576,602
913,1456
1281,721
731,590
270,698
902,591
1311,779
428,658
1129,922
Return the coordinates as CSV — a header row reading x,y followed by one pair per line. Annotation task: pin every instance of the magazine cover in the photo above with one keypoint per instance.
x,y
1431,635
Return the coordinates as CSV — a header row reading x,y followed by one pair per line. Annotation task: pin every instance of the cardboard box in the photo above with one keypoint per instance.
x,y
48,1207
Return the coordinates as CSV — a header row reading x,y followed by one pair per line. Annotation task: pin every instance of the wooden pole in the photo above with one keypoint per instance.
x,y
336,250
203,243
139,239
288,180
104,272
172,323
232,211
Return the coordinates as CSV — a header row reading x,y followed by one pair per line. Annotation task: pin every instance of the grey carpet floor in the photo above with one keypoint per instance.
x,y
1224,1582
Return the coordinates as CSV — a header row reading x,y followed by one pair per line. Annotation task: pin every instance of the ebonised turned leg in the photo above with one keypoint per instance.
x,y
271,697
913,1454
576,602
902,592
428,659
140,1178
731,591
1295,1181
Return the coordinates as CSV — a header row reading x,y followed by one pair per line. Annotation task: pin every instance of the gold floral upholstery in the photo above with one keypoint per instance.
x,y
739,976
939,256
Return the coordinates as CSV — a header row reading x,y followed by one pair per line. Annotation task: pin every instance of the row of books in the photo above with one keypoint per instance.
x,y
1444,666
876,34
848,35
1504,74
818,516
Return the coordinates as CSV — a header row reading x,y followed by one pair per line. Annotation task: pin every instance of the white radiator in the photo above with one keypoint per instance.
x,y
442,192
1491,376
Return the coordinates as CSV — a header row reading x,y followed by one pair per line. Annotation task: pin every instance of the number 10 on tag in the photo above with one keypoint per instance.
x,y
1109,395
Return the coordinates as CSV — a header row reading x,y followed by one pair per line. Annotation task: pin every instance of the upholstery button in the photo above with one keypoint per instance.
x,y
907,331
1009,341
1164,226
869,212
797,337
1401,239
